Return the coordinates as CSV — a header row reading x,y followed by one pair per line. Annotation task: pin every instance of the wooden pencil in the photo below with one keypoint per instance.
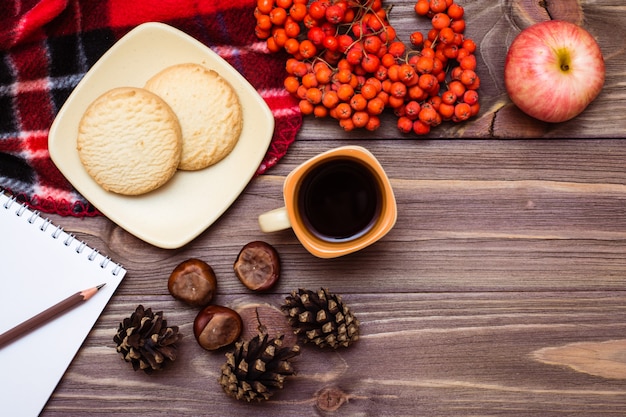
x,y
47,315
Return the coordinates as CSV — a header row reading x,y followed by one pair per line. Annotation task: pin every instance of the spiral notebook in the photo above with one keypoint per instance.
x,y
40,265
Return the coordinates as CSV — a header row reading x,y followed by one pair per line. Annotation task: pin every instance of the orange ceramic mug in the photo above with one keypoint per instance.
x,y
337,202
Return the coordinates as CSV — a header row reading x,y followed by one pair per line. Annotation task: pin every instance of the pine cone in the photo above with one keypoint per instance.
x,y
257,368
145,341
321,318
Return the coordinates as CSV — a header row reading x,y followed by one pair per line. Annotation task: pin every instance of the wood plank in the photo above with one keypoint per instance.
x,y
540,216
419,354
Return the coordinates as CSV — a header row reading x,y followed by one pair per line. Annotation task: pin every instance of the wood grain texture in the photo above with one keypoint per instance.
x,y
502,250
499,292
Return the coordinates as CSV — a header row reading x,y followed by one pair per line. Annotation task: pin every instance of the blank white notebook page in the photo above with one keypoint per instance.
x,y
40,265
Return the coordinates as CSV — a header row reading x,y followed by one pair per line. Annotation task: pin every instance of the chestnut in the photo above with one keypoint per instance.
x,y
217,326
193,282
258,266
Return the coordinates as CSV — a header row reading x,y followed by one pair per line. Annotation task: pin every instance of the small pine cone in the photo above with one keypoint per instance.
x,y
144,340
257,368
321,318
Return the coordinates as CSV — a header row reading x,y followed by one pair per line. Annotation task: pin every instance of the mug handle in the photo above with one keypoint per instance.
x,y
274,220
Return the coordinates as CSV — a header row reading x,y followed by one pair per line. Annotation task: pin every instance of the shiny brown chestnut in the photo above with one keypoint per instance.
x,y
217,326
193,282
258,266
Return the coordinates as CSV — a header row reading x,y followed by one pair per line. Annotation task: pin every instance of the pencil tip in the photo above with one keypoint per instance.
x,y
100,286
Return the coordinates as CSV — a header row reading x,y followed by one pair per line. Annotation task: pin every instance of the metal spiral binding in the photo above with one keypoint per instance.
x,y
68,240
7,204
105,262
81,246
58,231
45,224
33,217
117,269
20,210
93,254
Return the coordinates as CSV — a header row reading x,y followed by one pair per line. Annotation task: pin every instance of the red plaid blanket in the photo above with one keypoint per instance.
x,y
46,46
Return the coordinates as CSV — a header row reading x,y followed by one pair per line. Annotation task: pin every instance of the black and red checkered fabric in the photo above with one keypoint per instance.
x,y
46,47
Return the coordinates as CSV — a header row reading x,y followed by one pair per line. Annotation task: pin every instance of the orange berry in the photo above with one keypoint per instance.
x,y
343,111
397,49
470,97
428,115
416,38
458,25
412,109
468,62
422,7
301,92
388,34
307,49
457,87
405,125
292,46
375,106
264,22
395,102
292,28
370,63
280,36
369,91
440,21
309,80
448,97
446,36
373,123
323,74
427,82
345,92
320,111
462,111
262,33
420,128
455,11
360,118
347,124
330,99
272,46
298,12
417,93
291,84
468,77
437,6
428,52
305,106
278,15
398,89
372,44
285,4
358,102
425,65
265,6
470,45
446,110
343,75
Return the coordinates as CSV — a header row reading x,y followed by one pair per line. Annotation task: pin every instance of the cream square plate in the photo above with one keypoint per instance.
x,y
191,201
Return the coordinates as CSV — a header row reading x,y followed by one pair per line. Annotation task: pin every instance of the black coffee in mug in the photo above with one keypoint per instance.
x,y
340,199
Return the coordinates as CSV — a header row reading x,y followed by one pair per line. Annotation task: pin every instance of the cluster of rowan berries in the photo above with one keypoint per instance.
x,y
346,62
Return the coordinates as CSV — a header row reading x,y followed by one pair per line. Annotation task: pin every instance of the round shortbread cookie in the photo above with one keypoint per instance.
x,y
208,109
129,141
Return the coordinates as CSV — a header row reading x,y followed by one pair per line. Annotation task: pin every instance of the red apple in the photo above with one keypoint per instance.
x,y
553,70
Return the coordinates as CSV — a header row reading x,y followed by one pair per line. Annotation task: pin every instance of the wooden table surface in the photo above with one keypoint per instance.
x,y
500,291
